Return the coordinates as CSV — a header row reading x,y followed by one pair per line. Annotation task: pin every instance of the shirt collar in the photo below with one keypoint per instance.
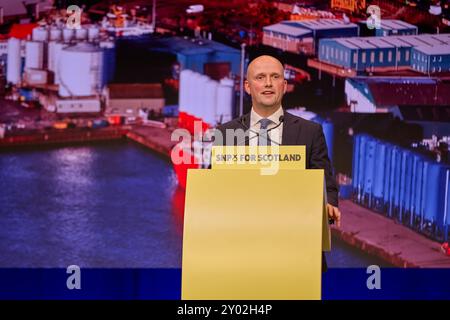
x,y
275,117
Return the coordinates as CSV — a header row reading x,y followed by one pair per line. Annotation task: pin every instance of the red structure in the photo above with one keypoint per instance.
x,y
22,31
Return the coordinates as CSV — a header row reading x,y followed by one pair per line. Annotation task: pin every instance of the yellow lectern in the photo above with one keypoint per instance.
x,y
249,235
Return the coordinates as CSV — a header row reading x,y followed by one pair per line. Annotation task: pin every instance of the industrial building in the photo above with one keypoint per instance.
x,y
22,9
375,94
363,53
194,54
431,59
420,100
204,99
3,47
288,38
327,28
391,27
403,184
381,54
305,35
73,65
127,99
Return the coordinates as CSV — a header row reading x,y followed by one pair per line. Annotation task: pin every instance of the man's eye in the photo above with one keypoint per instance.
x,y
276,76
259,77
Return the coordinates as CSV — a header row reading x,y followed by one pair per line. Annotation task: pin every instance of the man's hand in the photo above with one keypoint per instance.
x,y
334,213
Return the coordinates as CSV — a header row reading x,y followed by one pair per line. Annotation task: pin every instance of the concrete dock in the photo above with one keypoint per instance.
x,y
383,237
154,138
63,137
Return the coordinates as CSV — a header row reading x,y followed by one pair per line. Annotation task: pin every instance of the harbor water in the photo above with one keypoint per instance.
x,y
108,205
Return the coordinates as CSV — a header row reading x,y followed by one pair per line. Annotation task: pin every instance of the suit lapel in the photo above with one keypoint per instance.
x,y
291,130
246,121
246,126
243,123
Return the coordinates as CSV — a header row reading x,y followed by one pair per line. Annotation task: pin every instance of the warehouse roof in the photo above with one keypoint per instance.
x,y
396,41
443,49
431,41
323,24
396,24
360,43
345,42
192,46
287,29
380,43
423,40
442,40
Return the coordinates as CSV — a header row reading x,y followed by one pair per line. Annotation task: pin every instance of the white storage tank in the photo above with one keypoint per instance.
x,y
54,52
93,32
40,34
210,100
200,102
51,56
14,61
224,106
68,34
55,34
80,70
191,92
81,33
34,54
185,80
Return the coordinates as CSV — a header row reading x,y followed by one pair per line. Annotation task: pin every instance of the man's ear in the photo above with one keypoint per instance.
x,y
285,87
247,87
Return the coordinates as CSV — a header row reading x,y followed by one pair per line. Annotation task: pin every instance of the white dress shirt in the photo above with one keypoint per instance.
x,y
275,135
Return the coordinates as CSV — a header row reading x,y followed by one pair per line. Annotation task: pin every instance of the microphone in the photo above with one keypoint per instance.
x,y
280,121
247,128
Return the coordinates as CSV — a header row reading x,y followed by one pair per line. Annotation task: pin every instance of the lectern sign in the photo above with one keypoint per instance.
x,y
253,235
271,159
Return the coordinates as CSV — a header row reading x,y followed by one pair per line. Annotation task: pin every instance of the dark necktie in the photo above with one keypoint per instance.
x,y
263,137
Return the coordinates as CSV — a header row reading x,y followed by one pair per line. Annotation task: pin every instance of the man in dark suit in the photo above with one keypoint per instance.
x,y
268,124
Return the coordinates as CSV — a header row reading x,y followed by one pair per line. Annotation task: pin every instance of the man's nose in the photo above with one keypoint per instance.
x,y
268,82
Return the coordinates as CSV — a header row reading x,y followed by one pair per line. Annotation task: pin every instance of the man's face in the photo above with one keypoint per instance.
x,y
265,82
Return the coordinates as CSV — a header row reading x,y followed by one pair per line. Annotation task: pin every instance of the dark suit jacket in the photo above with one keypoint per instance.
x,y
296,131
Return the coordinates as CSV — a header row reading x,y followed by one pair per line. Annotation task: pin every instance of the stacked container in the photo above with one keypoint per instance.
x,y
403,185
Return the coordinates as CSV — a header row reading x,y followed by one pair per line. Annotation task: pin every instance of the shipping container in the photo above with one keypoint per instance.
x,y
60,125
435,199
369,165
170,111
100,123
403,184
417,191
380,166
115,120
